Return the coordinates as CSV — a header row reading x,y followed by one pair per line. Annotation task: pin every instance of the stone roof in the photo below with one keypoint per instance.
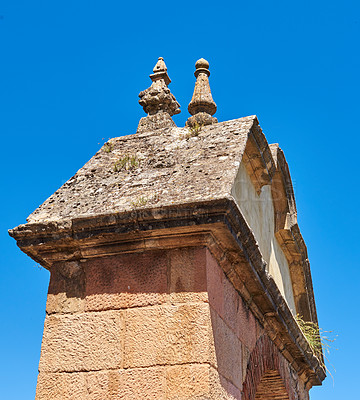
x,y
153,169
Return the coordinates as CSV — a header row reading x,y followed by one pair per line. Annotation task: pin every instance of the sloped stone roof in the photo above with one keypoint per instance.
x,y
153,169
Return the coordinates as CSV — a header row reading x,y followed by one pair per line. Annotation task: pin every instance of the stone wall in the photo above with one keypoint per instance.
x,y
151,325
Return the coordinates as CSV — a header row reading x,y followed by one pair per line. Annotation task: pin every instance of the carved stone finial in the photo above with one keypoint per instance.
x,y
157,101
160,66
202,105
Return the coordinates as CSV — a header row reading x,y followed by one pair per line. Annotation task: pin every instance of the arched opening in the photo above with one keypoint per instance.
x,y
271,387
267,375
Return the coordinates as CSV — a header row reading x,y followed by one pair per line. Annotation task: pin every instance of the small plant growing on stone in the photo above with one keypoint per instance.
x,y
127,163
194,130
108,147
140,202
316,337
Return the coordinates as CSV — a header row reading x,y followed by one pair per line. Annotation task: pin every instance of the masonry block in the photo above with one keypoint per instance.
x,y
126,281
188,275
65,294
227,349
129,384
167,335
82,342
187,382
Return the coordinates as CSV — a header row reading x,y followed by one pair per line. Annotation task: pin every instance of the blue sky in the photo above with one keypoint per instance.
x,y
70,74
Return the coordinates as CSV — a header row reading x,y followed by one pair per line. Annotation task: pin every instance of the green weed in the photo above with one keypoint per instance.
x,y
108,147
140,202
317,339
127,163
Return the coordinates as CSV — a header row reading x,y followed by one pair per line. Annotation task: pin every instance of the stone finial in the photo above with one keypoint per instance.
x,y
202,105
157,101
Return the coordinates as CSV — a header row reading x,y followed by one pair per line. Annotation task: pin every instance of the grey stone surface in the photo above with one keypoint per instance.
x,y
152,169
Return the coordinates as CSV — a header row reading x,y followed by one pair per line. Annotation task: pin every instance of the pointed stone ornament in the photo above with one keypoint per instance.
x,y
202,105
157,101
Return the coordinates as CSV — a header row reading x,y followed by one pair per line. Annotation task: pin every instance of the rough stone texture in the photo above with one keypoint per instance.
x,y
178,382
82,342
188,382
108,354
188,272
226,302
172,168
124,384
168,325
126,281
160,120
167,335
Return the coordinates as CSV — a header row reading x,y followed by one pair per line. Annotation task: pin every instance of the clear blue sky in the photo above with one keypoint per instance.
x,y
70,74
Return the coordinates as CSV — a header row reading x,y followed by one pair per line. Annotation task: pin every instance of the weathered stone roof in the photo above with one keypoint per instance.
x,y
153,169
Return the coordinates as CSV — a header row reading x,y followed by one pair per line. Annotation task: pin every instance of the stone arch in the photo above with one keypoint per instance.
x,y
271,387
267,373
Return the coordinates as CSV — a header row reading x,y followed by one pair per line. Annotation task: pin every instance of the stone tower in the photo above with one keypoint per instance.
x,y
177,264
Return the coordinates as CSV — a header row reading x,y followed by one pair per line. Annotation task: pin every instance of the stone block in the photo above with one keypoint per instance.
x,y
65,294
246,326
187,382
228,352
232,302
198,382
61,386
227,302
167,335
82,342
129,384
145,336
188,333
215,277
143,383
177,382
128,280
188,275
61,303
221,388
